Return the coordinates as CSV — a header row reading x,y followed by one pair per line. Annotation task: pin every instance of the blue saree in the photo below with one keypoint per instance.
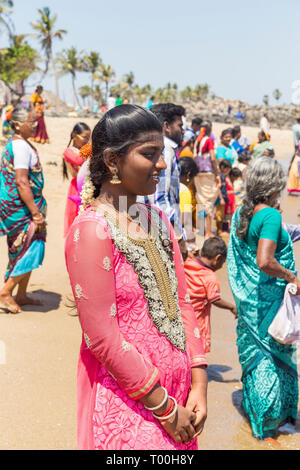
x,y
269,369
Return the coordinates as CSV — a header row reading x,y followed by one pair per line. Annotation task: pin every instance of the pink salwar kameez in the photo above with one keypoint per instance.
x,y
72,157
129,343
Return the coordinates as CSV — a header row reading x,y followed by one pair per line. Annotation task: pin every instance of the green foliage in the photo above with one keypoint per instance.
x,y
46,33
17,63
277,94
266,100
69,61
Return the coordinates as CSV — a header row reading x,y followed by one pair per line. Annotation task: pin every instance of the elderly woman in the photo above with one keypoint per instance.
x,y
260,264
22,210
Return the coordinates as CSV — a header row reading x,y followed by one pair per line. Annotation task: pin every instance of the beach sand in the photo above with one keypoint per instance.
x,y
39,347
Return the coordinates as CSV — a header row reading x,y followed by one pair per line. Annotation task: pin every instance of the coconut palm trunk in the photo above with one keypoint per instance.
x,y
56,81
74,90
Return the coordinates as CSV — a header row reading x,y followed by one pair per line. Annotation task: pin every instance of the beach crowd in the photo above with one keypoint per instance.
x,y
156,206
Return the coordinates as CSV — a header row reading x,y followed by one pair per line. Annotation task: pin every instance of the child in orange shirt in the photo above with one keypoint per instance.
x,y
203,285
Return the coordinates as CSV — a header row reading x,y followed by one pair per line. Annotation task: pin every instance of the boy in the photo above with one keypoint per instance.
x,y
203,286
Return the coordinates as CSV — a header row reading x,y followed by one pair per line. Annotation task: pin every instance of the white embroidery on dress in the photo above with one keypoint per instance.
x,y
107,263
113,310
136,256
78,291
126,346
187,299
197,332
87,340
76,235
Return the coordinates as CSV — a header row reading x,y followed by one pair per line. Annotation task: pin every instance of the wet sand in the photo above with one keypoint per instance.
x,y
39,347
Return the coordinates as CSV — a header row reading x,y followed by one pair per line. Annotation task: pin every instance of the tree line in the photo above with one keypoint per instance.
x,y
19,61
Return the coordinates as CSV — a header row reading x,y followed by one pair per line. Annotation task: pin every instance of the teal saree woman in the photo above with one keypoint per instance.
x,y
22,211
269,369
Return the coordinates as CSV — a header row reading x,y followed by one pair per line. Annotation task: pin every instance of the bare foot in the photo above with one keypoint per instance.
x,y
272,441
28,301
8,303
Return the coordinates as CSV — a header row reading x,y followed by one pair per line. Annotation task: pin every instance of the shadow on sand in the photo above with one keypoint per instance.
x,y
214,373
51,301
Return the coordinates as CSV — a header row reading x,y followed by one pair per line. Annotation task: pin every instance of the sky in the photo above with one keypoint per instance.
x,y
242,49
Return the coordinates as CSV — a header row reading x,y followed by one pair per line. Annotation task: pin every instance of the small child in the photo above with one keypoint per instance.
x,y
225,167
236,178
203,285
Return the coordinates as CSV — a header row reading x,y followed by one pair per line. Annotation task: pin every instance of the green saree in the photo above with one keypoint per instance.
x,y
269,369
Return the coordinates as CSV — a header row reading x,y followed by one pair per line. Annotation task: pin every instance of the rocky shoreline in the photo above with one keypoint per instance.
x,y
215,109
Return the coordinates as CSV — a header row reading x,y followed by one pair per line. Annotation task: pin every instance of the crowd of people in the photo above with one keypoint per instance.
x,y
142,188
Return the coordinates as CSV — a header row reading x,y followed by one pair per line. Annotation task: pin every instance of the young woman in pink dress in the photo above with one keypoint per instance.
x,y
72,161
141,380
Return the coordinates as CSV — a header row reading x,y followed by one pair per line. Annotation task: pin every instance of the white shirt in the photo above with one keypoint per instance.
x,y
111,102
24,156
264,125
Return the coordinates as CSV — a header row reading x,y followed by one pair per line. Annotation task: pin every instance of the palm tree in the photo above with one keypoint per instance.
x,y
97,94
129,81
201,92
5,11
70,63
46,34
186,94
106,76
277,94
85,92
141,94
91,64
266,100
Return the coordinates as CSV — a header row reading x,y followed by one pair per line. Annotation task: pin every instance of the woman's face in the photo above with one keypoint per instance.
x,y
140,169
225,140
79,140
260,137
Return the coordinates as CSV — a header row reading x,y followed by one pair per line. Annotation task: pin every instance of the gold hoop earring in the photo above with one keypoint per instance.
x,y
115,179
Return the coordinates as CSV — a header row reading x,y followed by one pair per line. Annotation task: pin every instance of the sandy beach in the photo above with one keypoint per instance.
x,y
39,347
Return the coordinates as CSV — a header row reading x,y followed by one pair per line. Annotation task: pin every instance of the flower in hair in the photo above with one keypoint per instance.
x,y
86,151
87,194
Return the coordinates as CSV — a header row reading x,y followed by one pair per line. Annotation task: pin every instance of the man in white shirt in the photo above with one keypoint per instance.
x,y
296,134
265,125
111,102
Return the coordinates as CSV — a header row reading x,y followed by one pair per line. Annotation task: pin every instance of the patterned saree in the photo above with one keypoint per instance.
x,y
15,218
269,369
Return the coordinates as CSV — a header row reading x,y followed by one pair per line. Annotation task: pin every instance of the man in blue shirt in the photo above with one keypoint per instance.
x,y
192,131
236,134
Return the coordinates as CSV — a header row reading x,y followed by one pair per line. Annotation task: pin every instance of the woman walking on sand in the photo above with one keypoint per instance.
x,y
37,103
260,264
207,181
22,210
72,162
142,370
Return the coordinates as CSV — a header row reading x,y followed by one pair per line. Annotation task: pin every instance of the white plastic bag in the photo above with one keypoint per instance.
x,y
285,327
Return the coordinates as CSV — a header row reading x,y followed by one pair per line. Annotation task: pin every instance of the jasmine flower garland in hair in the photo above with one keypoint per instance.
x,y
87,194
